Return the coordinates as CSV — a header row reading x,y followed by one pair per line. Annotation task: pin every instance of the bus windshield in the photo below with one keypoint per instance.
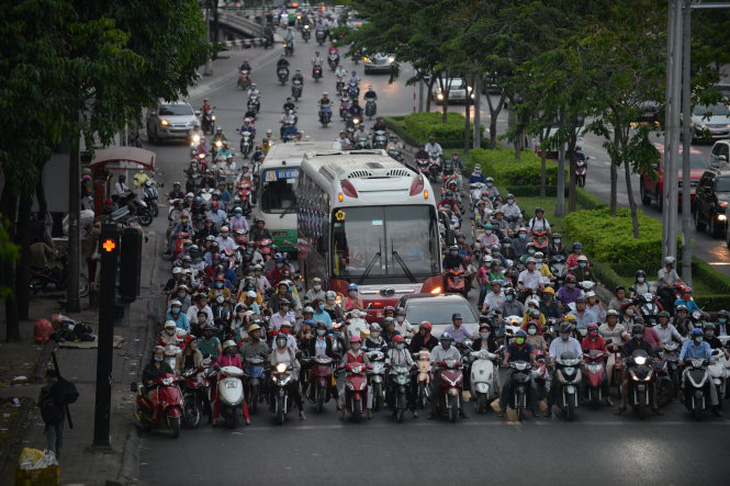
x,y
377,244
278,194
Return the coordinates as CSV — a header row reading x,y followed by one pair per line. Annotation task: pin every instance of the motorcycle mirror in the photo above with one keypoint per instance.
x,y
197,113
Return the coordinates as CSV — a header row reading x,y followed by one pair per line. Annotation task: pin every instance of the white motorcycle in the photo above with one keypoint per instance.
x,y
483,379
230,395
356,322
719,372
376,375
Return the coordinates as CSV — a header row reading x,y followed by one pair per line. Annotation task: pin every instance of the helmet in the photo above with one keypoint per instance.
x,y
330,294
669,259
284,302
398,339
176,302
663,314
612,312
681,307
190,338
709,325
374,327
488,226
230,343
355,339
577,244
426,325
521,332
592,326
446,337
582,258
324,93
454,247
539,209
581,298
252,328
724,313
388,321
570,279
308,310
696,332
352,286
638,329
534,313
510,196
640,272
170,324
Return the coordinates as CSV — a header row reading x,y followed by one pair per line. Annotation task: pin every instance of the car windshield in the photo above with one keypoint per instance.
x,y
173,110
710,110
376,244
723,184
278,194
697,161
436,311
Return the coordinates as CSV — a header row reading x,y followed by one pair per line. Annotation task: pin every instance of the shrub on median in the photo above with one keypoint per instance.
x,y
415,128
501,164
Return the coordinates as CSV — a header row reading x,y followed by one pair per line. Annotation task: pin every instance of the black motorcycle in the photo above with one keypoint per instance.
x,y
399,389
641,380
519,386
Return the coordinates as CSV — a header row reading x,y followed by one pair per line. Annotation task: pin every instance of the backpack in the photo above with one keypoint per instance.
x,y
65,392
51,411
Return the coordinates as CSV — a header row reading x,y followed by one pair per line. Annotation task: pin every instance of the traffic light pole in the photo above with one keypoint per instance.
x,y
109,249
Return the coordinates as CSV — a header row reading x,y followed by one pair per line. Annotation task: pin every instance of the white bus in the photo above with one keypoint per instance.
x,y
364,218
279,176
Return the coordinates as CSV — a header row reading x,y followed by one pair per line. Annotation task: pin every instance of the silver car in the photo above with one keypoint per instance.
x,y
378,63
171,121
459,91
710,122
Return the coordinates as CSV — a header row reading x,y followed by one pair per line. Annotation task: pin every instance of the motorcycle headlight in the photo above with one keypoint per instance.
x,y
196,138
640,360
218,143
212,117
281,367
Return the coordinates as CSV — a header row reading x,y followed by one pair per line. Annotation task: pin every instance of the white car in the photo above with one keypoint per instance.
x,y
378,63
171,121
720,154
710,122
458,90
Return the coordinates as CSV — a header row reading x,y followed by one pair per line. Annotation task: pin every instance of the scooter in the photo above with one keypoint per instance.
x,y
665,387
719,373
376,375
320,378
288,49
371,108
56,278
557,268
306,32
594,367
380,139
317,72
246,144
423,164
320,35
455,282
281,376
362,141
296,89
697,387
165,410
400,383
581,169
519,386
254,104
452,380
333,59
230,395
483,378
540,239
207,122
244,80
356,387
540,373
648,308
283,74
325,115
255,378
423,379
568,378
641,376
193,388
671,356
356,322
151,197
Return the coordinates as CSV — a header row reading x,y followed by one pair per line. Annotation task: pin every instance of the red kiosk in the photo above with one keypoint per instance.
x,y
107,161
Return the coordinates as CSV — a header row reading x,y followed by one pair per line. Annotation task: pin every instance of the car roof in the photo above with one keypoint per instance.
x,y
178,102
444,297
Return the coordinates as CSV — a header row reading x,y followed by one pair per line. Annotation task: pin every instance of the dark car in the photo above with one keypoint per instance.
x,y
438,309
713,196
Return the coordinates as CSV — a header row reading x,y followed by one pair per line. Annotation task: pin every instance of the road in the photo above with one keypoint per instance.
x,y
598,447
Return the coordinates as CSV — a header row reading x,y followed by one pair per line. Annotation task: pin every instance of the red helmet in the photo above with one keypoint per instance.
x,y
398,339
427,325
189,338
220,278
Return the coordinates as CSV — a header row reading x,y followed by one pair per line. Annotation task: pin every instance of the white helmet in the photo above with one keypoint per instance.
x,y
229,344
170,324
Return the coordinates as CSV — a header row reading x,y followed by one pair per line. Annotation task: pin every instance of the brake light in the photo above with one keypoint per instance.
x,y
436,291
348,189
416,185
723,204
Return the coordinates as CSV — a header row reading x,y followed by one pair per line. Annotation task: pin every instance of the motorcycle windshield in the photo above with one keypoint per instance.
x,y
279,188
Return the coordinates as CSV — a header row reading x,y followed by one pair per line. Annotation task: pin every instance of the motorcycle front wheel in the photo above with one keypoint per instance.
x,y
84,286
145,217
319,406
192,413
280,410
253,398
233,417
174,425
453,408
482,403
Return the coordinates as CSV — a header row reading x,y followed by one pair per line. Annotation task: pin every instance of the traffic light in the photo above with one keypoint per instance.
x,y
130,265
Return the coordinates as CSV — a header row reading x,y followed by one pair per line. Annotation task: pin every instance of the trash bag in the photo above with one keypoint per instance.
x,y
42,331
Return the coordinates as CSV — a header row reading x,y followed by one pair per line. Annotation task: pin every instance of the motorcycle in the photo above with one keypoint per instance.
x,y
670,354
452,380
356,56
151,197
541,373
288,49
641,375
254,104
353,90
246,143
362,141
255,378
193,386
283,74
423,380
594,367
207,122
376,374
483,378
434,168
455,282
423,162
244,79
245,194
581,169
519,386
568,378
697,387
540,239
289,131
371,108
340,86
344,108
296,89
325,115
306,32
399,377
333,59
230,395
380,139
356,387
165,409
317,72
648,308
719,373
557,268
665,387
56,278
320,35
320,378
281,376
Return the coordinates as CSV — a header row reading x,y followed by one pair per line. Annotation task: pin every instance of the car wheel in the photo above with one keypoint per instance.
x,y
645,200
659,200
699,224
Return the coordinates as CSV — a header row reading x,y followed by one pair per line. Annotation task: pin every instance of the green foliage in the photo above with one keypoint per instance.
x,y
449,134
502,165
9,251
586,200
607,239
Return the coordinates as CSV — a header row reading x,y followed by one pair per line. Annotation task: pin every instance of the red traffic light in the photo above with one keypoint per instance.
x,y
109,245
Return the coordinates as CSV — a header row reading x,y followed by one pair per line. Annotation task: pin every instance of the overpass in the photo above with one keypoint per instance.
x,y
253,31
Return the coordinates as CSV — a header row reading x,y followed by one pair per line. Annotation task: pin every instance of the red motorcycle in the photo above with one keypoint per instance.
x,y
449,395
594,367
178,247
455,281
194,386
320,379
165,410
356,390
265,248
540,239
245,194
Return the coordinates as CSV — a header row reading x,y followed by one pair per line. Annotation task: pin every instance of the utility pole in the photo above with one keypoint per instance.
x,y
477,140
73,302
109,248
686,142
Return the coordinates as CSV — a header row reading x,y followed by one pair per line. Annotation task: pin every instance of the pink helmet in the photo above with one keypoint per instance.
x,y
354,339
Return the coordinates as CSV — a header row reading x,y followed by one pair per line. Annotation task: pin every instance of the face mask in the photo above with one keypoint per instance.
x,y
454,252
175,311
317,288
484,335
636,336
519,341
532,331
523,236
582,264
353,293
508,298
219,285
400,346
321,307
375,334
593,334
285,308
564,337
578,251
557,241
709,334
531,251
181,295
240,315
446,344
488,232
510,202
321,332
159,360
698,339
722,320
571,285
279,265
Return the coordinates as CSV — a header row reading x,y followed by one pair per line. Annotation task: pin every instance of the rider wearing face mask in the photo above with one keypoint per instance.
x,y
569,293
548,305
723,327
534,336
402,326
565,343
445,350
230,357
485,339
284,314
594,341
321,345
353,301
640,285
512,306
284,354
637,342
156,368
519,243
320,313
375,341
399,355
510,208
697,348
315,292
572,260
168,335
556,246
517,350
177,316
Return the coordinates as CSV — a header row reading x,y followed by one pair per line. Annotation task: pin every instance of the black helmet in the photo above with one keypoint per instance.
x,y
637,329
640,272
565,327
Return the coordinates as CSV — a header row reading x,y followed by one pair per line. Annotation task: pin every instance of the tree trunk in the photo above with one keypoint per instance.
x,y
8,205
40,195
543,166
445,108
494,112
630,193
431,80
22,275
573,183
613,199
467,123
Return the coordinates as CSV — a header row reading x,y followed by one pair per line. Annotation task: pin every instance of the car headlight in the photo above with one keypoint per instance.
x,y
722,217
391,59
440,96
164,122
366,59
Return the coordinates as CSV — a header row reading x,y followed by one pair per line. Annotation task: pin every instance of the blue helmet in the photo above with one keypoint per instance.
x,y
446,337
521,332
352,286
696,332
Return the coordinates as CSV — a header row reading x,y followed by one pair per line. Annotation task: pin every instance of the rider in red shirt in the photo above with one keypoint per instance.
x,y
593,340
230,357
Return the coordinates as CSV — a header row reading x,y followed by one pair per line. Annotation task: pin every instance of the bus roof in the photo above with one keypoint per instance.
x,y
293,152
366,177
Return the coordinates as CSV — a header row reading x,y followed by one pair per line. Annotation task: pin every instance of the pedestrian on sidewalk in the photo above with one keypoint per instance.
x,y
53,413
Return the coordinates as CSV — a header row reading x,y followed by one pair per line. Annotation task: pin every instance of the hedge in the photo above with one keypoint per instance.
x,y
609,239
583,198
415,128
501,164
720,284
